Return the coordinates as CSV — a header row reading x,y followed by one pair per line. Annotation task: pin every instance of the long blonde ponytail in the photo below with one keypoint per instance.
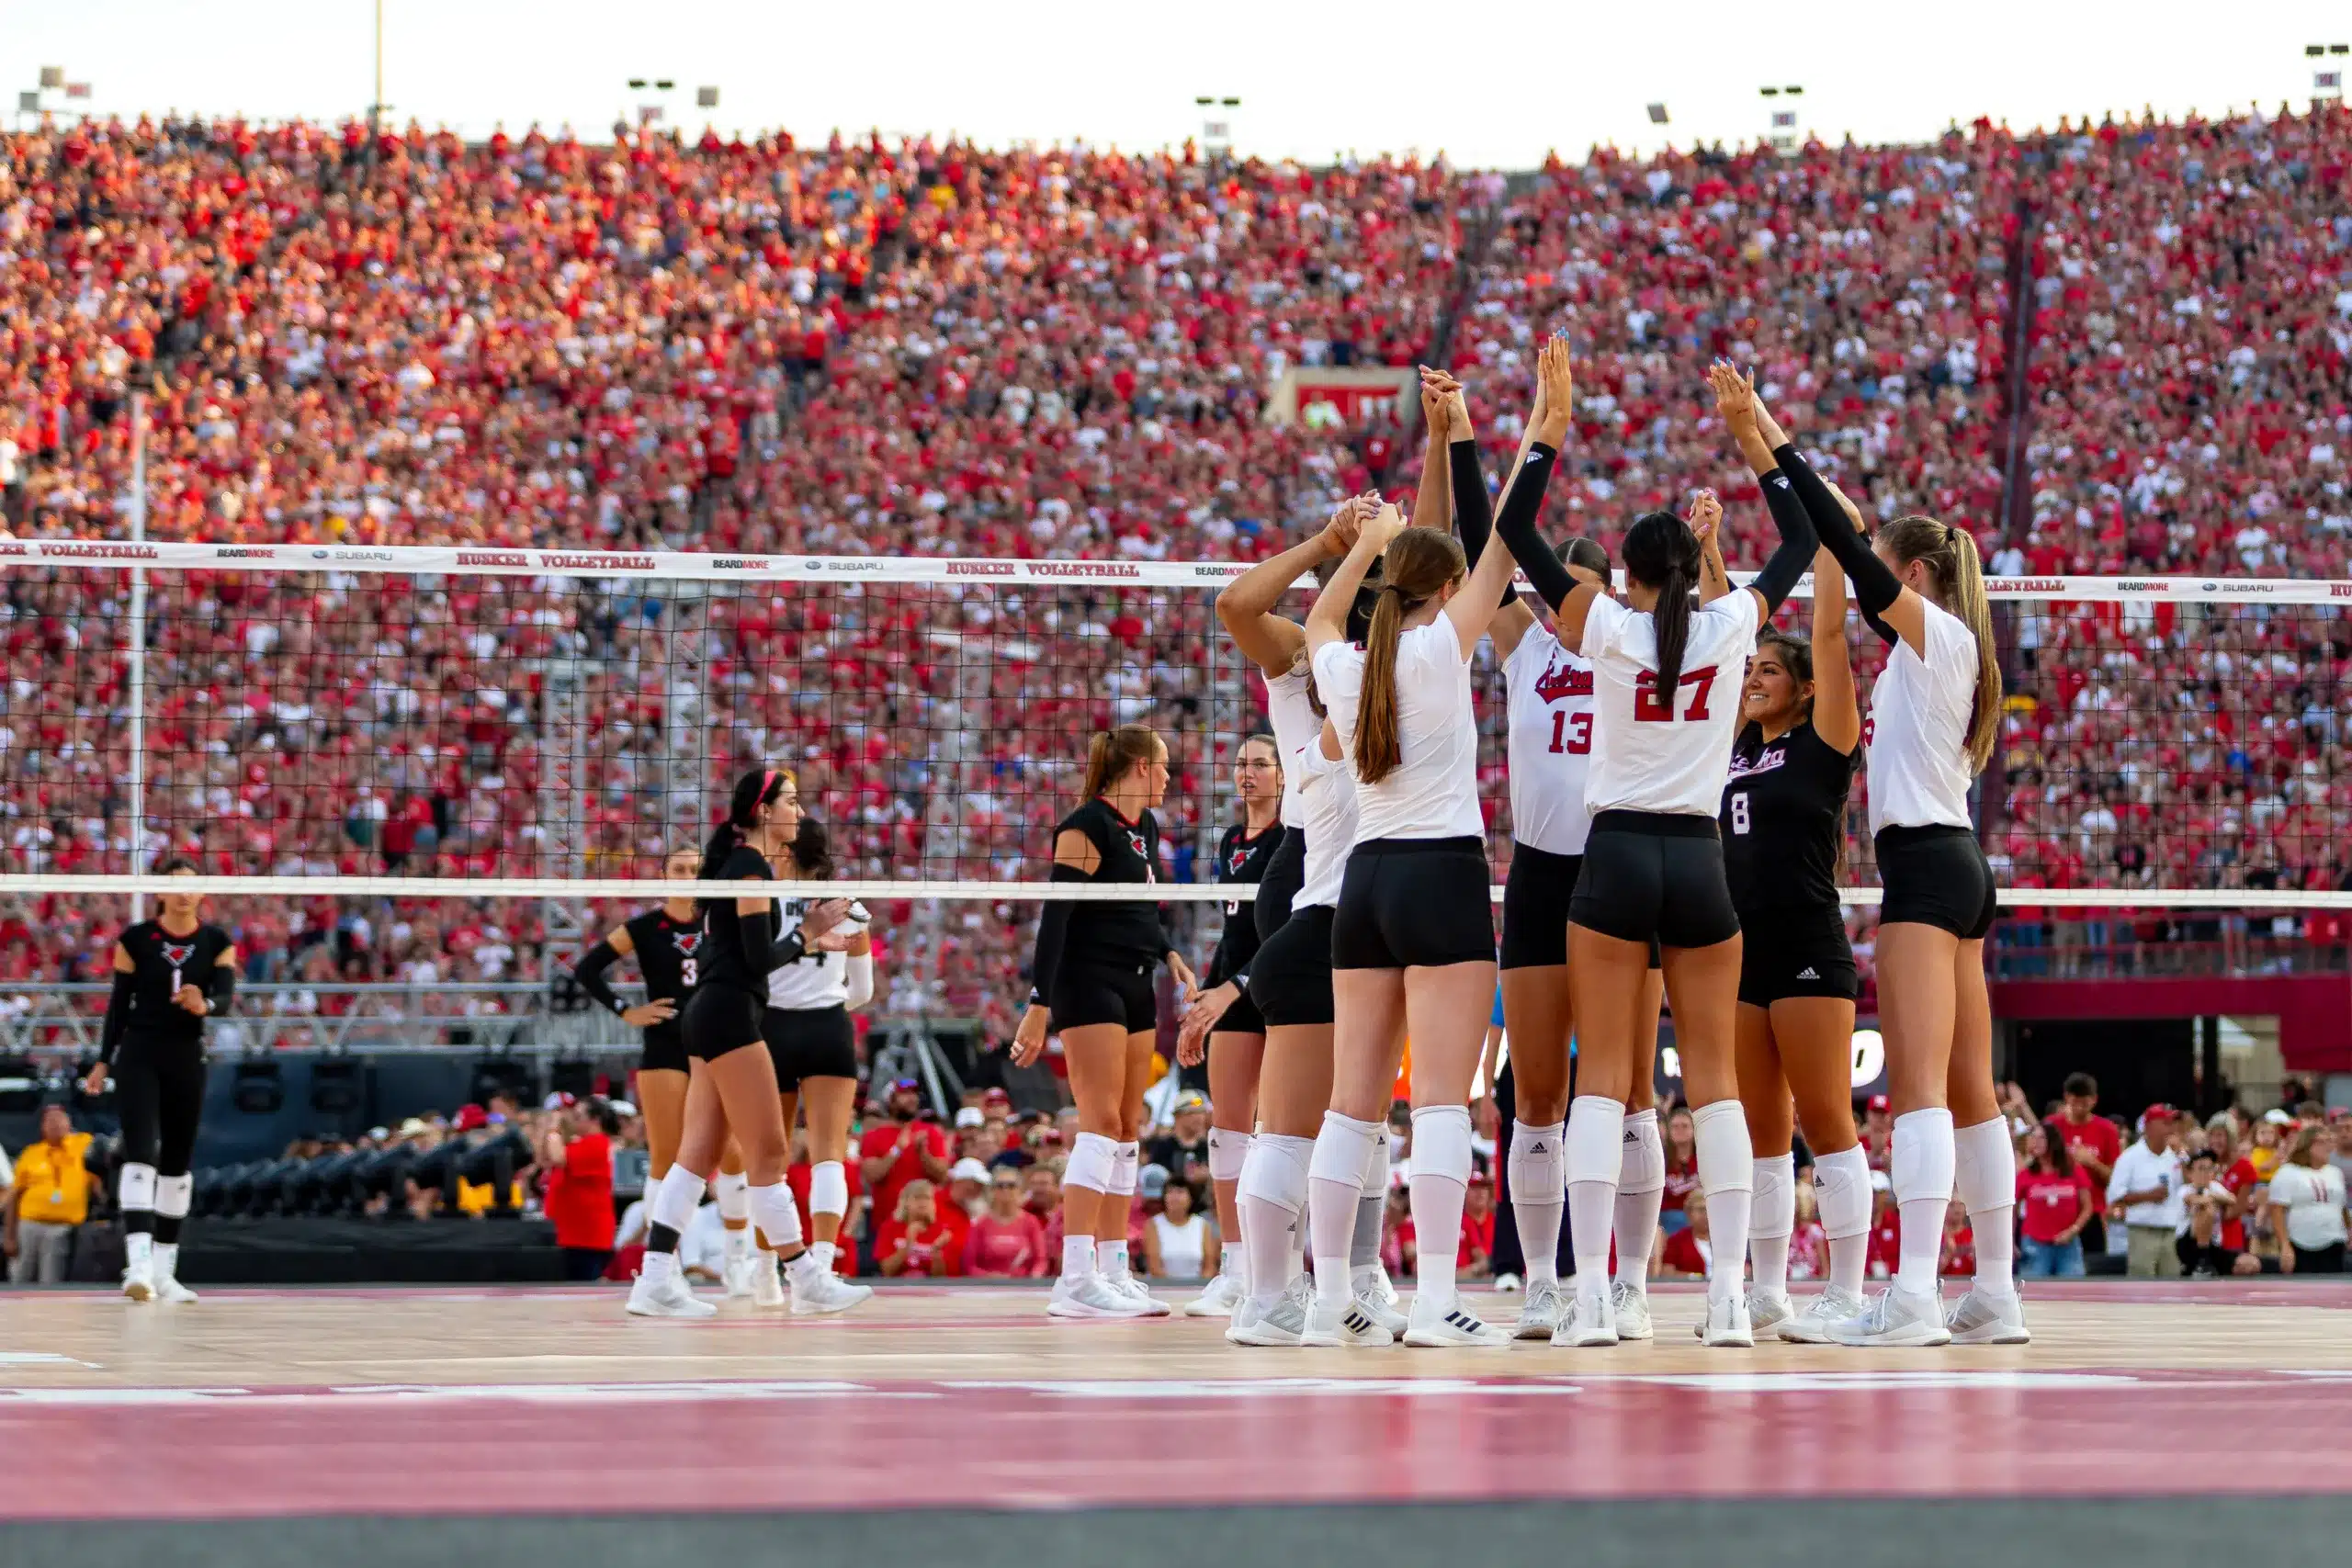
x,y
1950,555
1416,567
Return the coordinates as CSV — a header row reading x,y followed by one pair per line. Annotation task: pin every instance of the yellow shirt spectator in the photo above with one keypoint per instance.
x,y
53,1184
475,1197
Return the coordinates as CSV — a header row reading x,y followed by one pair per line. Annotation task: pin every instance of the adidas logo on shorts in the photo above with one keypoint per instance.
x,y
1807,973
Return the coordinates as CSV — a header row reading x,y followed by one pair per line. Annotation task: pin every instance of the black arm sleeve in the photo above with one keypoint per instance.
x,y
590,973
1472,512
1875,587
756,934
1798,542
1053,931
118,1016
789,948
220,991
1517,526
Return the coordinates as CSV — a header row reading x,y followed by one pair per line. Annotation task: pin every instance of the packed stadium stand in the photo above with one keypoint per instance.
x,y
2107,349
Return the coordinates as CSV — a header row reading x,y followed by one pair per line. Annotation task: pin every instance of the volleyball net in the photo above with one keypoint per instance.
x,y
518,737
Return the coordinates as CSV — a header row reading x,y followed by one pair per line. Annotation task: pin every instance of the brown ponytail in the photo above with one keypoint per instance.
x,y
1958,576
1661,552
1416,567
1112,753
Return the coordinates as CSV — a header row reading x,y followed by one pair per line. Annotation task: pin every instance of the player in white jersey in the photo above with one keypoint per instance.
x,y
1935,714
1412,936
1550,692
1666,673
1289,979
814,1046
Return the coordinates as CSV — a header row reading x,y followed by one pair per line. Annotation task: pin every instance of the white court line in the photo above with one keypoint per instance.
x,y
432,1393
1259,1388
40,1359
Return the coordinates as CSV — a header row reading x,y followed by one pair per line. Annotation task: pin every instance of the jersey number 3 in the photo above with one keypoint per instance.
x,y
1648,709
1571,733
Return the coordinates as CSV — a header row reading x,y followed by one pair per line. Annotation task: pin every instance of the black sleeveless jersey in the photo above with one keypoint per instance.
x,y
160,964
1121,935
1240,858
669,953
722,960
1784,820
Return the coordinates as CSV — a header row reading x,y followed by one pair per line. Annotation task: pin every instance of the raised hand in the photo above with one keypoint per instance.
x,y
1435,416
1383,525
1706,515
1735,397
1853,512
1555,388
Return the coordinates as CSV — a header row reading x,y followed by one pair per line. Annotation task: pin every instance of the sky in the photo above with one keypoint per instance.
x,y
1494,83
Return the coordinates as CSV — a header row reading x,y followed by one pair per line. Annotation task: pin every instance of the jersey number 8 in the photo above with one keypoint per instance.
x,y
1648,709
1740,812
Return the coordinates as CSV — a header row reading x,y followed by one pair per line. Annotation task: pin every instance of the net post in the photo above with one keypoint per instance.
x,y
564,746
137,650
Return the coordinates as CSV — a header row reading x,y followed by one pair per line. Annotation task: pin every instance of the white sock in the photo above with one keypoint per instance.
x,y
804,1270
1078,1257
1641,1193
1985,1177
168,1259
1273,1186
824,1252
1441,1163
1335,1181
1372,1210
1538,1167
1773,1223
658,1268
1921,1165
1727,1177
1110,1258
1841,1184
1595,1138
738,1245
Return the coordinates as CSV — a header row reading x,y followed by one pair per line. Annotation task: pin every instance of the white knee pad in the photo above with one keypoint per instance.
x,y
1538,1163
1598,1128
1342,1149
1127,1170
1727,1159
136,1189
173,1194
1921,1158
1091,1162
1984,1170
1442,1141
675,1199
1376,1166
729,1189
1776,1198
1227,1150
1842,1192
1276,1171
827,1187
774,1212
1642,1162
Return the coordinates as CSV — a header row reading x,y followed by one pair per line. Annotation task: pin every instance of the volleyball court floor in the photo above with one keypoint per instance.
x,y
441,1424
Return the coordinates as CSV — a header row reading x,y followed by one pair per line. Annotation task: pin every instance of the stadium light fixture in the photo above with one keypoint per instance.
x,y
1657,114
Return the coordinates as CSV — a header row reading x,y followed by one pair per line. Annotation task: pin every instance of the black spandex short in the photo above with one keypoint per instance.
x,y
1414,904
1936,877
159,1095
1096,993
1242,1017
1285,874
810,1043
1649,876
1537,893
721,1018
1795,953
665,1047
1290,980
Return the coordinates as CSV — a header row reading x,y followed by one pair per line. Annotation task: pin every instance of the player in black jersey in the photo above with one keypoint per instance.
x,y
170,975
1093,983
730,1084
1235,1044
667,943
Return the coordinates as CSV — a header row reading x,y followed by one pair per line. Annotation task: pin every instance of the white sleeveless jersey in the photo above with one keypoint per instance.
x,y
1667,758
819,980
1917,739
1290,711
1551,702
1326,793
1432,792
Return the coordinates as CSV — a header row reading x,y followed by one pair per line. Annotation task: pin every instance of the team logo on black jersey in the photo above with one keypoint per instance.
x,y
1239,858
177,954
1763,762
687,942
1134,842
1561,681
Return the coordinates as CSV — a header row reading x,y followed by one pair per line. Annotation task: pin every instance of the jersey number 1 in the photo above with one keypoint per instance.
x,y
1648,709
1576,739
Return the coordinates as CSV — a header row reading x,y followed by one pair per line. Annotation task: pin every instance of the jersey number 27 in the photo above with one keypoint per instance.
x,y
1648,709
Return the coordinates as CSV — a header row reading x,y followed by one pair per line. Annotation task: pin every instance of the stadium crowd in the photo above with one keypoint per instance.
x,y
933,348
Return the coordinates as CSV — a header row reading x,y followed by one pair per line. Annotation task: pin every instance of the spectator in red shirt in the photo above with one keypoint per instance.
x,y
1878,1131
1959,1256
1006,1242
965,1200
2055,1202
2092,1141
917,1239
1476,1260
1689,1251
579,1161
905,1149
1681,1166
